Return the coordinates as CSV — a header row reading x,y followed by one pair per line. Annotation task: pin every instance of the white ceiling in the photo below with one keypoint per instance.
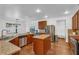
x,y
23,10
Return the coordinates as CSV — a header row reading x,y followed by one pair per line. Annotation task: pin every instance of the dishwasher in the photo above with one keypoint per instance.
x,y
22,41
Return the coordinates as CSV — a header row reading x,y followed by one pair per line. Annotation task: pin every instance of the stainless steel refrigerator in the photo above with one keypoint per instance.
x,y
51,31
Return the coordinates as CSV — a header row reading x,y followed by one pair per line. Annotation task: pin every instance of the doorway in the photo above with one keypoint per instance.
x,y
61,28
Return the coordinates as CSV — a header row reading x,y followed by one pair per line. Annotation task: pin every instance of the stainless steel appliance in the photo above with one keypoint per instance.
x,y
51,30
74,43
77,47
22,41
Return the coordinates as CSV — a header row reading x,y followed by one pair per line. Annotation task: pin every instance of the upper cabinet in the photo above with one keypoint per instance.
x,y
42,24
75,21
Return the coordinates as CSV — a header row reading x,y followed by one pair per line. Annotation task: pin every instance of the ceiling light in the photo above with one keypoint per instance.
x,y
38,10
66,12
46,16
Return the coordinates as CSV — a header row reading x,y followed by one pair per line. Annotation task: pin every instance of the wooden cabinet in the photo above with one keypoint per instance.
x,y
78,18
42,24
41,46
30,38
15,41
75,21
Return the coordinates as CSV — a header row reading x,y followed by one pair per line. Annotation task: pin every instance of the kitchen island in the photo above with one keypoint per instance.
x,y
7,48
41,44
19,38
10,44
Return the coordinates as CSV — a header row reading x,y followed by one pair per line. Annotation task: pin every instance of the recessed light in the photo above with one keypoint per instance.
x,y
38,10
46,16
66,12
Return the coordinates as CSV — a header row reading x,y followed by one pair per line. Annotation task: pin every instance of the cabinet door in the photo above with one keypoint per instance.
x,y
78,18
15,41
47,44
29,38
42,24
76,22
38,46
73,22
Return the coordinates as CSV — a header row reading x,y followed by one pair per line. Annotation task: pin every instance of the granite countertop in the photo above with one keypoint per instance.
x,y
42,36
75,37
7,48
15,35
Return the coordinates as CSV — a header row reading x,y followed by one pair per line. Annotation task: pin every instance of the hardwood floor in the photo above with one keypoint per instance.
x,y
58,48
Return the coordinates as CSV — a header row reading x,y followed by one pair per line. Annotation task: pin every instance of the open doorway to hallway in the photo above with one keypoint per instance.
x,y
61,28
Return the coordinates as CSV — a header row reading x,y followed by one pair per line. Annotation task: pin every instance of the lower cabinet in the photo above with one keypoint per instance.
x,y
20,41
15,41
41,46
30,38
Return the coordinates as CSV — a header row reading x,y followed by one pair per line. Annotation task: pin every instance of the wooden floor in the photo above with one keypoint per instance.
x,y
57,48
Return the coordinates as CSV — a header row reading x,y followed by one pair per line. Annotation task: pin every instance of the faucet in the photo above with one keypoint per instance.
x,y
2,33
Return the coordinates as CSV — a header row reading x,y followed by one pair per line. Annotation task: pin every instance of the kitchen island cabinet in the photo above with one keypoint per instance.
x,y
22,40
30,38
15,41
41,44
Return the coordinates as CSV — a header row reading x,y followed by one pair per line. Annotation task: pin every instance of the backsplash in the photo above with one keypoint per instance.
x,y
77,32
